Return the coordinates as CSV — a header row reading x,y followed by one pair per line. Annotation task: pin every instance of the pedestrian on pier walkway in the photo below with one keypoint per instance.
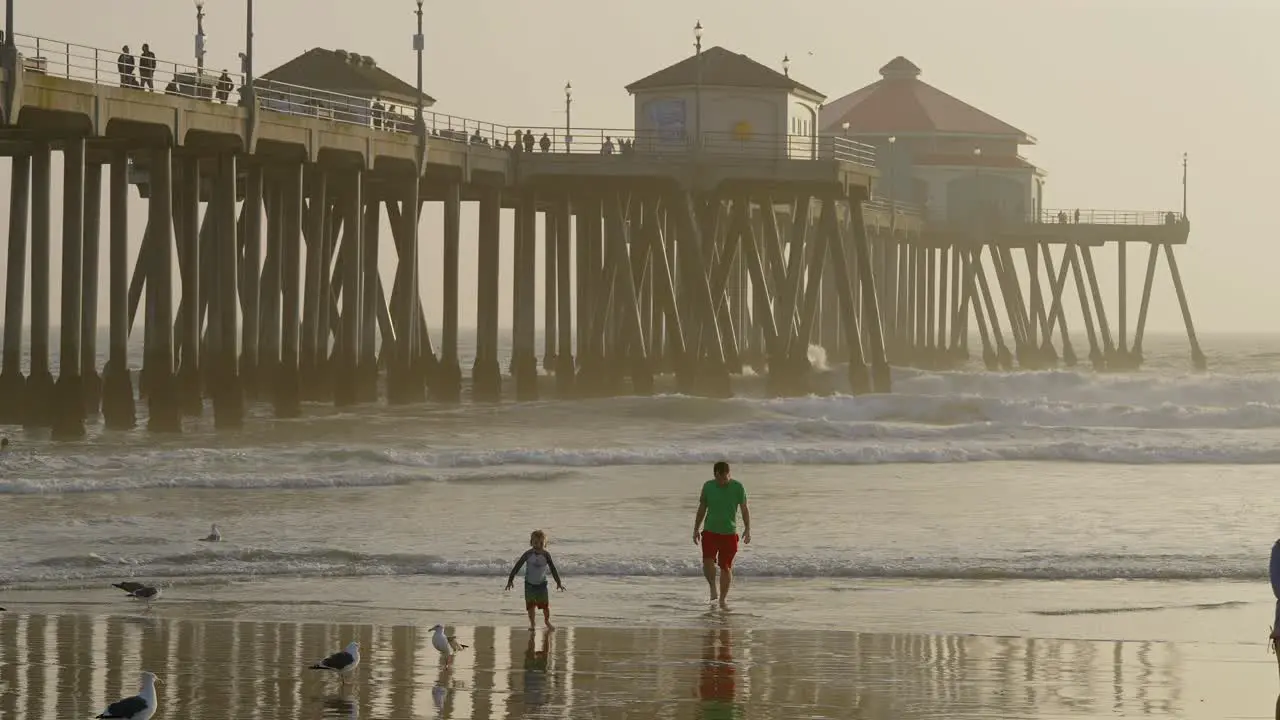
x,y
147,67
124,64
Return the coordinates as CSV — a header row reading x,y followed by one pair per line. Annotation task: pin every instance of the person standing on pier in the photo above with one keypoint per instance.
x,y
718,505
147,67
224,87
124,64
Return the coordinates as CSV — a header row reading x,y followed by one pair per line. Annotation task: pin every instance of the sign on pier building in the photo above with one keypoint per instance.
x,y
936,151
731,102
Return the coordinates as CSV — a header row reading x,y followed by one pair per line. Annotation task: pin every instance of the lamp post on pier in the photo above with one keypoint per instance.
x,y
419,44
893,144
568,116
199,36
697,87
786,65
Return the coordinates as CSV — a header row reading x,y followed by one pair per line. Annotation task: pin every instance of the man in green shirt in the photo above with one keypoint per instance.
x,y
718,505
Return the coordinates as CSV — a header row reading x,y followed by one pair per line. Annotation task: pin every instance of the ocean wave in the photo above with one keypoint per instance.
x,y
244,563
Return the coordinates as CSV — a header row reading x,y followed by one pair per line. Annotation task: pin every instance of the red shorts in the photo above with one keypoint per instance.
x,y
719,547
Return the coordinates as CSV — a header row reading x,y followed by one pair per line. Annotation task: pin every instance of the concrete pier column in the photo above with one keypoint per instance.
x,y
486,377
524,358
406,380
188,222
287,382
164,413
228,393
39,392
315,240
564,367
68,421
550,279
345,383
90,382
249,276
269,296
448,385
119,411
367,370
12,382
332,221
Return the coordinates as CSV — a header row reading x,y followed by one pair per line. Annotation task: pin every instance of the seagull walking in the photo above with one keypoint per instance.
x,y
146,593
214,534
139,707
447,646
128,586
341,662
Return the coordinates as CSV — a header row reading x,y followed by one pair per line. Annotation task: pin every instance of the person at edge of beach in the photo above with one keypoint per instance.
x,y
538,562
4,445
718,505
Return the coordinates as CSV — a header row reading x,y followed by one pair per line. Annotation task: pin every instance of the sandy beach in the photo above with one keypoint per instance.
x,y
241,651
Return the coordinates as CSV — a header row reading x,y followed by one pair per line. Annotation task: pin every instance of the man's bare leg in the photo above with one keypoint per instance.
x,y
709,572
726,577
546,618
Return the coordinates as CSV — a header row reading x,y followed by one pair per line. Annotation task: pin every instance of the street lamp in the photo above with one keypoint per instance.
x,y
199,35
786,65
697,88
568,115
419,44
845,126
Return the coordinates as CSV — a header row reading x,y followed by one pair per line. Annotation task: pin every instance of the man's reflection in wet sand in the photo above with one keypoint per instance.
x,y
716,682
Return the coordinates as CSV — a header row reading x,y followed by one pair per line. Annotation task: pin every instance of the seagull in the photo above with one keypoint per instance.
x,y
342,662
146,593
446,645
214,535
139,707
128,586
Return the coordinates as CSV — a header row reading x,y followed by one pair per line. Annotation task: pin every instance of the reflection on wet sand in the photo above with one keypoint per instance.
x,y
71,665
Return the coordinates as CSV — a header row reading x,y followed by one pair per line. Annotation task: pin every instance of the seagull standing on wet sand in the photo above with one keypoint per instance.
x,y
341,662
146,593
213,536
445,645
128,586
139,707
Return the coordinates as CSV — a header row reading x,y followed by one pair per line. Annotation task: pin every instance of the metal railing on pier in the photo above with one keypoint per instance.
x,y
1110,217
151,74
126,69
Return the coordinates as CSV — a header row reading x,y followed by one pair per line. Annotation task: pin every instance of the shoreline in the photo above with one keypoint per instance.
x,y
71,664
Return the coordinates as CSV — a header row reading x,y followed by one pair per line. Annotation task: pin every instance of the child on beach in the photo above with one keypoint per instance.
x,y
535,578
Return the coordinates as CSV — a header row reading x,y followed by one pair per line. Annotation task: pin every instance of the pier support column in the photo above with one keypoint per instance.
x,y
486,376
228,393
39,392
164,413
564,367
68,423
524,358
367,372
345,382
448,385
550,296
249,279
187,215
119,411
406,377
12,382
287,382
91,383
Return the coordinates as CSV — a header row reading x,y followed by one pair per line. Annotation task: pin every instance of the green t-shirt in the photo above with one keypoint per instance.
x,y
722,506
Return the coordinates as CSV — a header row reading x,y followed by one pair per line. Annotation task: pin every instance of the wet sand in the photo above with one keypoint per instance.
x,y
60,661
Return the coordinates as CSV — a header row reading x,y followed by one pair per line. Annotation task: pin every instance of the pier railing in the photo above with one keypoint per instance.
x,y
104,67
111,67
619,141
1110,217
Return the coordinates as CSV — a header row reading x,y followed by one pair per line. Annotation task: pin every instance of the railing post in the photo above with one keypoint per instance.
x,y
96,65
66,56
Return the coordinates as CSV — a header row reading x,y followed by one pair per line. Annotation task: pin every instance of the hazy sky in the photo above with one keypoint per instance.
x,y
1114,90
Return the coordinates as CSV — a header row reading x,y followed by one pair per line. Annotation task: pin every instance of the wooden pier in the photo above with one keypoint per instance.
x,y
693,254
